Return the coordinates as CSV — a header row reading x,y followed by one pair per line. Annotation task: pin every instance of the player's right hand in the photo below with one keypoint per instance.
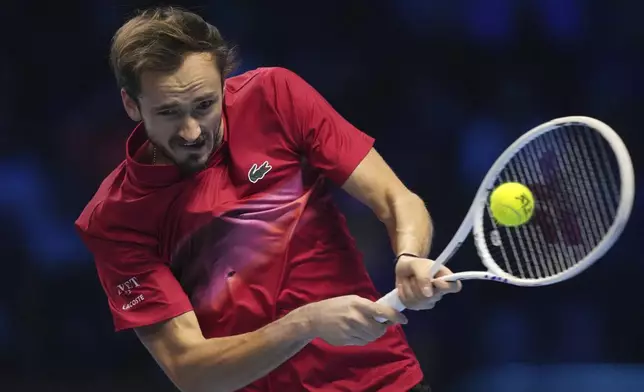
x,y
350,320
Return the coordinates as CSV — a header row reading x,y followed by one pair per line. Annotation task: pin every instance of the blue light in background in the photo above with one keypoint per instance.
x,y
490,21
424,16
481,144
554,378
505,334
562,18
50,240
580,334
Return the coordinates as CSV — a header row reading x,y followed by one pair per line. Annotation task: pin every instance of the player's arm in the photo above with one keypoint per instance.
x,y
197,364
144,295
346,156
404,214
409,226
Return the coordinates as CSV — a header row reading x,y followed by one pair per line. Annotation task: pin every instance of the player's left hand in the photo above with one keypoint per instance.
x,y
416,289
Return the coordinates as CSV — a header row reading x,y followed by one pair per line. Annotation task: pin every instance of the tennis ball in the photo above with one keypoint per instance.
x,y
512,204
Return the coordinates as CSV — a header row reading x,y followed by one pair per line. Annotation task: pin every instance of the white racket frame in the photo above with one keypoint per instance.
x,y
474,219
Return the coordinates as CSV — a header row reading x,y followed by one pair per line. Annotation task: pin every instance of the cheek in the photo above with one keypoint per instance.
x,y
212,120
160,131
214,116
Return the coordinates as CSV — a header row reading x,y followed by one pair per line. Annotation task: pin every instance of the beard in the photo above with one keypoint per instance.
x,y
189,158
192,165
188,162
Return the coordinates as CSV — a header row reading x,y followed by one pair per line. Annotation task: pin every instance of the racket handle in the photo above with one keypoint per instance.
x,y
391,299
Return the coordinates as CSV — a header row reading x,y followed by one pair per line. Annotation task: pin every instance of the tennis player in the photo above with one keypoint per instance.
x,y
216,238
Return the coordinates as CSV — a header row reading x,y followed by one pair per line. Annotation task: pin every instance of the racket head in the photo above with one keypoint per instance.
x,y
564,148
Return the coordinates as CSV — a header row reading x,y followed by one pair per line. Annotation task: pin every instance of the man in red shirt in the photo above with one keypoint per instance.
x,y
217,241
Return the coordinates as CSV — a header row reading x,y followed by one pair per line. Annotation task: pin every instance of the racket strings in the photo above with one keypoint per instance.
x,y
574,177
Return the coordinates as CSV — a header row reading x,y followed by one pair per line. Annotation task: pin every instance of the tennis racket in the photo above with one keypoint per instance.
x,y
582,179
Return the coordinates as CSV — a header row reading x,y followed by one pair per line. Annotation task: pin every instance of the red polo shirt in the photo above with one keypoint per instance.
x,y
250,238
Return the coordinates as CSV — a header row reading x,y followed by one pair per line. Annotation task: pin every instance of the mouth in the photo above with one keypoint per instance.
x,y
194,145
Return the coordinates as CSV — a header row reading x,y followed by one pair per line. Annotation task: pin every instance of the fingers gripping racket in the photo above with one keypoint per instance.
x,y
582,180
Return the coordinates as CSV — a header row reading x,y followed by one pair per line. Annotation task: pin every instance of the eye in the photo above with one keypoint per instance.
x,y
167,112
205,104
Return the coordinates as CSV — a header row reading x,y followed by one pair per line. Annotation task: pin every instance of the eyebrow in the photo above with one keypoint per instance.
x,y
174,104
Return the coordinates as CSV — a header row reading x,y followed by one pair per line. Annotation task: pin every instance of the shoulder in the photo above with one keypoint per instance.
x,y
266,92
261,80
116,177
115,211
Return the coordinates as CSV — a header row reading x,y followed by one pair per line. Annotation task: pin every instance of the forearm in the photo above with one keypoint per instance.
x,y
228,364
409,225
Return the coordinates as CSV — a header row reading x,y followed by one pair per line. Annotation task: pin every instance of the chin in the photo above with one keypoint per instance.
x,y
191,167
193,164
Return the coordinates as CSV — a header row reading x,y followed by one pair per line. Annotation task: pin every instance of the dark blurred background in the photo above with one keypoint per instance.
x,y
444,86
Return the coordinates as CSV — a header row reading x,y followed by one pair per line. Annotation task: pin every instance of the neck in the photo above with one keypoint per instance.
x,y
156,156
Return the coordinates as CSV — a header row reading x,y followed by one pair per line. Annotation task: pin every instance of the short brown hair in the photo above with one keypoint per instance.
x,y
158,39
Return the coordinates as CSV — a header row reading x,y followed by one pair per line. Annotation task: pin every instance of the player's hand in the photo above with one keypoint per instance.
x,y
416,289
350,320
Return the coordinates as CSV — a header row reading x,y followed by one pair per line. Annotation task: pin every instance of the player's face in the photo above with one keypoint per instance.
x,y
182,111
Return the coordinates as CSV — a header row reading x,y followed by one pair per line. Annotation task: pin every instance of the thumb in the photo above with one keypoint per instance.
x,y
388,313
420,269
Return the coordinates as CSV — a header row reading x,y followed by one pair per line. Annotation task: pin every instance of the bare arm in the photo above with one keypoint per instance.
x,y
197,364
403,212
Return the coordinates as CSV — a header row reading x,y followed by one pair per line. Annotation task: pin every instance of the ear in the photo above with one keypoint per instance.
x,y
131,107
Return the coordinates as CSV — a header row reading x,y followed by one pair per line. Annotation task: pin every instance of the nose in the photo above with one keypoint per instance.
x,y
190,131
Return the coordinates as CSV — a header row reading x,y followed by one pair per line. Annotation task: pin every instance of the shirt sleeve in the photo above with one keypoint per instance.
x,y
141,289
329,142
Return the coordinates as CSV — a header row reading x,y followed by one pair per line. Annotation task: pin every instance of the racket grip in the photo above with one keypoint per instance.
x,y
391,299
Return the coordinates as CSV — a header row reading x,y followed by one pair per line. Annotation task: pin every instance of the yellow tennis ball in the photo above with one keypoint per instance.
x,y
512,204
